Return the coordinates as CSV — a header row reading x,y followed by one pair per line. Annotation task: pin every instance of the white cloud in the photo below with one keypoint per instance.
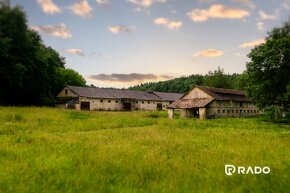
x,y
60,31
48,6
217,11
146,3
120,28
252,43
209,53
172,25
260,26
82,8
75,51
265,16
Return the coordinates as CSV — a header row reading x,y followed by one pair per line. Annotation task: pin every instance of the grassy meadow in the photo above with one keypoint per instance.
x,y
56,151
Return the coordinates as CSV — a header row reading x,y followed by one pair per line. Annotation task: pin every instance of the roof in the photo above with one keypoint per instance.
x,y
165,96
110,93
190,103
224,94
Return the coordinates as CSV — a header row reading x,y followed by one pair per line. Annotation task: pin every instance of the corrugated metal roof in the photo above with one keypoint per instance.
x,y
168,96
109,93
190,103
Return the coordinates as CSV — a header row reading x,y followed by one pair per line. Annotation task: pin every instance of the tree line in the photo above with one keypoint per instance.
x,y
216,78
31,73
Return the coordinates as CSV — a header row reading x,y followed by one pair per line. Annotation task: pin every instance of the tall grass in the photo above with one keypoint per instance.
x,y
55,150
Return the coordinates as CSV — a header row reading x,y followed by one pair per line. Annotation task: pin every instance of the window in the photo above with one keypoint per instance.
x,y
109,101
136,102
244,111
142,102
241,110
228,111
237,111
241,104
116,101
219,111
66,91
248,111
251,111
254,111
232,111
101,101
224,111
148,102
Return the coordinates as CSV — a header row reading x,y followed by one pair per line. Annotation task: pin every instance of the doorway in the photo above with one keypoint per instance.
x,y
127,106
159,107
85,106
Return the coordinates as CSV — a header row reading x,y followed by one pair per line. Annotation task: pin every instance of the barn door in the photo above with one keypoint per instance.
x,y
85,106
127,106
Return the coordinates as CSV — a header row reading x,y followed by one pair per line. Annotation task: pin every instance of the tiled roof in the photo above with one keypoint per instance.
x,y
109,93
190,103
224,94
168,96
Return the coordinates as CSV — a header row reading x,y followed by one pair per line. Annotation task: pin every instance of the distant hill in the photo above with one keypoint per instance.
x,y
216,78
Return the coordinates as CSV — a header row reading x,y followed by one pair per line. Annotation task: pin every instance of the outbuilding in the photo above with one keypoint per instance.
x,y
208,102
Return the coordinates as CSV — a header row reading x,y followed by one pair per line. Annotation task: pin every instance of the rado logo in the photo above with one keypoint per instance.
x,y
231,169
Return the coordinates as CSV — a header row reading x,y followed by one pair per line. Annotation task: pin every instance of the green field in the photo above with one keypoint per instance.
x,y
54,150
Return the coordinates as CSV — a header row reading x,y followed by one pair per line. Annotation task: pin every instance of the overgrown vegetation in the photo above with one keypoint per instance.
x,y
54,150
269,73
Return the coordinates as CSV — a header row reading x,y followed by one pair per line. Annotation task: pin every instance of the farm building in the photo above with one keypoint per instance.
x,y
207,102
87,98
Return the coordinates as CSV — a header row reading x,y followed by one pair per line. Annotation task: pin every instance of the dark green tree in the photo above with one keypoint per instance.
x,y
218,78
269,70
69,77
29,70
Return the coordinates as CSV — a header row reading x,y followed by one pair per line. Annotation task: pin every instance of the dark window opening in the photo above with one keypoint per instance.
x,y
109,101
66,91
117,101
219,111
101,101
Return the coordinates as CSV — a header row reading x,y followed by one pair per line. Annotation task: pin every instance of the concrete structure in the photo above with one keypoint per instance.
x,y
207,102
88,98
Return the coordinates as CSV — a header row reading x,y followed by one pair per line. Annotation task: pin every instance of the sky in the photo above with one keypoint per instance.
x,y
120,43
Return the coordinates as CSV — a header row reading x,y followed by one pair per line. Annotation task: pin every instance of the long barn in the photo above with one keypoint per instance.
x,y
88,98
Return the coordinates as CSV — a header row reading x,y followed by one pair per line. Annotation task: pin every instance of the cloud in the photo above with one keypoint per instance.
x,y
103,2
217,11
125,78
59,31
265,16
247,3
252,43
260,26
82,8
142,10
120,28
209,53
48,6
172,25
75,51
146,3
